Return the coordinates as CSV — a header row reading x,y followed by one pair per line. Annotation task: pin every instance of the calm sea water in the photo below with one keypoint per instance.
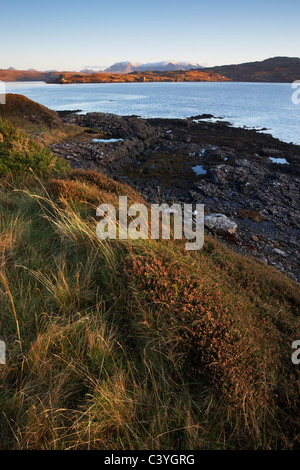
x,y
244,104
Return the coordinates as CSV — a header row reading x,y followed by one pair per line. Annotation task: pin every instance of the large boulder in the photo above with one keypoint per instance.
x,y
220,224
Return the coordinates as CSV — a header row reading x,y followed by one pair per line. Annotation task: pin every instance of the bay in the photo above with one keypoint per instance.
x,y
255,105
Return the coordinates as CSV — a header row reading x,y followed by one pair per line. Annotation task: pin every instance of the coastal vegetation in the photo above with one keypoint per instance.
x,y
133,344
37,121
20,153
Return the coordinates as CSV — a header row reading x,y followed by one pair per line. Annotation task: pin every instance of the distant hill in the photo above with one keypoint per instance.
x,y
276,69
195,75
13,75
167,66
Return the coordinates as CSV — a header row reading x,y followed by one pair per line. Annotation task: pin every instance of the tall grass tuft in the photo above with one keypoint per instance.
x,y
136,344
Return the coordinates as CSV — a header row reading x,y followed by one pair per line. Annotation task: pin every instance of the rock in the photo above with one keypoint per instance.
x,y
220,224
202,116
269,151
238,180
279,252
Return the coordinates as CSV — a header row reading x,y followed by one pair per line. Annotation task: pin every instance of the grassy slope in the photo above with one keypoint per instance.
x,y
20,153
36,120
135,344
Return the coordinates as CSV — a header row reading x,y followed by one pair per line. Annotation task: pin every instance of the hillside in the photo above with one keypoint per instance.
x,y
277,69
132,344
36,120
12,75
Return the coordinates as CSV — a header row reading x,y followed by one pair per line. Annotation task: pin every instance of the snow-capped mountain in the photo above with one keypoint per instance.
x,y
128,67
92,69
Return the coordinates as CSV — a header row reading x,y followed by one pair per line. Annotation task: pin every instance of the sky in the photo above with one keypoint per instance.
x,y
72,34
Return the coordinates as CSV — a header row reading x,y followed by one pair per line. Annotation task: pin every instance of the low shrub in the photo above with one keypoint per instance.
x,y
21,154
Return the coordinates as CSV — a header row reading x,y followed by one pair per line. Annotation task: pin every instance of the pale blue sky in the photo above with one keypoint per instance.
x,y
71,34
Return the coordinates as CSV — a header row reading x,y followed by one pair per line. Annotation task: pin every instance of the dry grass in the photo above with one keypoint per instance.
x,y
136,344
36,120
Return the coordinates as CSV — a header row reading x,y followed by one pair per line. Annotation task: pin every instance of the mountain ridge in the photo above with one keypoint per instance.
x,y
276,69
164,66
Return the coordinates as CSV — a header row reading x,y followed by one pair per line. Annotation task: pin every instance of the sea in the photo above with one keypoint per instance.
x,y
269,106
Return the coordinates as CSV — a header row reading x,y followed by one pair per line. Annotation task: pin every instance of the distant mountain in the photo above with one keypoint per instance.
x,y
275,69
123,67
166,66
92,69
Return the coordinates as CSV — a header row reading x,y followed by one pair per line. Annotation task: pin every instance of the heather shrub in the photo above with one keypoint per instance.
x,y
73,190
226,338
107,184
136,344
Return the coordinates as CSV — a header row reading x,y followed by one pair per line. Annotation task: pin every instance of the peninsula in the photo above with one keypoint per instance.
x,y
276,70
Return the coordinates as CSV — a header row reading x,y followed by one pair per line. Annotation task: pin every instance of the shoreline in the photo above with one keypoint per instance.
x,y
241,174
113,99
203,117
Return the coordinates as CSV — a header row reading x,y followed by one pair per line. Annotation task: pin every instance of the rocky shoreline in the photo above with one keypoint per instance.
x,y
245,174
